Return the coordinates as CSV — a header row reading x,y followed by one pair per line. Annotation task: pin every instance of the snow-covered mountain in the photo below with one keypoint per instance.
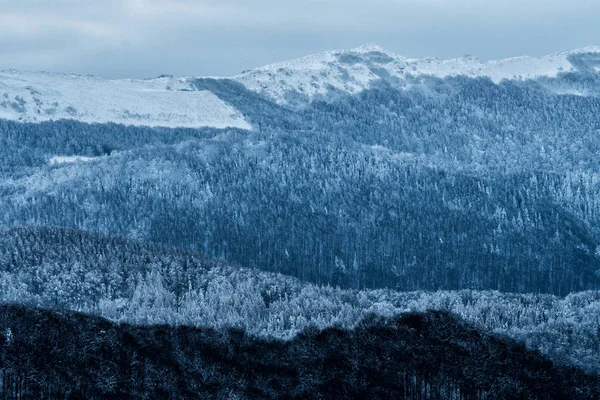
x,y
173,102
167,102
354,70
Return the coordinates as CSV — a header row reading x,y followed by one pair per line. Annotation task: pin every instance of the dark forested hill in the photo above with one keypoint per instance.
x,y
50,354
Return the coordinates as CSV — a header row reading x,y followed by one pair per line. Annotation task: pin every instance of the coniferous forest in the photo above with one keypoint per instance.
x,y
430,238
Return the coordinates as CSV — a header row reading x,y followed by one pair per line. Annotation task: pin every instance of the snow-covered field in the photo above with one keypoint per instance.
x,y
166,102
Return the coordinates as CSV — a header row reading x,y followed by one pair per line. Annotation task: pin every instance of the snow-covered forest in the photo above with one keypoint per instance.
x,y
130,282
451,184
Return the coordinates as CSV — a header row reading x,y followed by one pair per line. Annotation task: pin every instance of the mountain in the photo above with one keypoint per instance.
x,y
176,102
292,202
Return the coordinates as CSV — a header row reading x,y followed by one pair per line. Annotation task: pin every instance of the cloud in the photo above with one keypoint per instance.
x,y
141,38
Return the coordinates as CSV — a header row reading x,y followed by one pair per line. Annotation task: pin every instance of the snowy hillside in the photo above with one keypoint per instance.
x,y
354,70
173,102
167,102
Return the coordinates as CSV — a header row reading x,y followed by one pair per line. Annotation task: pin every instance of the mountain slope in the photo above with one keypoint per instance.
x,y
167,102
321,207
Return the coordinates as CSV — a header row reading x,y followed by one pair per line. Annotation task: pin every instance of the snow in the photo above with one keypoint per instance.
x,y
57,160
311,75
498,70
166,102
352,71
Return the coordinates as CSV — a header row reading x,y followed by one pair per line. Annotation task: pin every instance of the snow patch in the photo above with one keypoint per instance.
x,y
57,160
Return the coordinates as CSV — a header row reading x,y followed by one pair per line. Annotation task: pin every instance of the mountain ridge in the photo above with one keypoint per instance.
x,y
356,69
175,102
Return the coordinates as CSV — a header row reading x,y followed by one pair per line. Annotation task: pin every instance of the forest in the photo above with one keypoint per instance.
x,y
458,184
132,282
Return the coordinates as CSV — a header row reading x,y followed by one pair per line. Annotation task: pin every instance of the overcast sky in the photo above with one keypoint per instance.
x,y
145,38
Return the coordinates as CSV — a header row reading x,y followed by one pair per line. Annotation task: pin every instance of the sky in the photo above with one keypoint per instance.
x,y
146,38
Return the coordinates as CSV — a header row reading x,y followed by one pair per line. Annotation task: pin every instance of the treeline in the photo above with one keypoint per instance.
x,y
48,354
131,282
